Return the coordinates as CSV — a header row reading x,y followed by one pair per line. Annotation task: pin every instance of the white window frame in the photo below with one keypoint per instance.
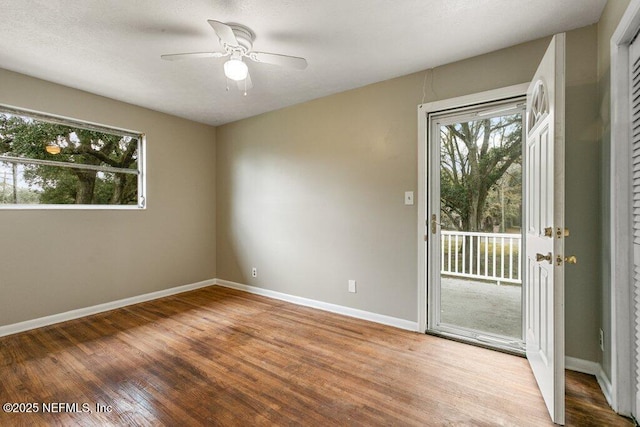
x,y
423,186
66,121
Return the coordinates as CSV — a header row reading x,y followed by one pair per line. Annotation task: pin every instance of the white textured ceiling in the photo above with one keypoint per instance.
x,y
113,47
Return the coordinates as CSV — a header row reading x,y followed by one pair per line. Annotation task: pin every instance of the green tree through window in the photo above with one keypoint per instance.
x,y
43,162
480,169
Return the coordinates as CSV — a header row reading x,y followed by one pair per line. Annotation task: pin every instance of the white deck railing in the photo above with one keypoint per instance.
x,y
487,256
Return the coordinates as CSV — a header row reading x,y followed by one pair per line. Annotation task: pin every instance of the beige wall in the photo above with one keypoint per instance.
x,y
582,214
312,195
608,22
58,260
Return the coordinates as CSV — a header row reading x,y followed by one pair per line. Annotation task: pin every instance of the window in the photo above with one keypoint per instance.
x,y
57,162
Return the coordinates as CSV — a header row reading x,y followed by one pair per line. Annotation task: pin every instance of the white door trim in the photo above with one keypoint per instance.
x,y
620,226
423,199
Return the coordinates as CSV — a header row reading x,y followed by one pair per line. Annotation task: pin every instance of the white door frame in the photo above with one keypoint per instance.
x,y
620,227
423,162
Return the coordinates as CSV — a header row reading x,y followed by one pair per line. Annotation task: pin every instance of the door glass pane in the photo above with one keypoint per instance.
x,y
481,220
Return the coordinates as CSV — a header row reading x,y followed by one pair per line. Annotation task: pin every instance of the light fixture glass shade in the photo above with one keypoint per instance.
x,y
52,149
235,69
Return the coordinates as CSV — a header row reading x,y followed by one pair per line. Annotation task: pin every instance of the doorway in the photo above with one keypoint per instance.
x,y
543,218
475,213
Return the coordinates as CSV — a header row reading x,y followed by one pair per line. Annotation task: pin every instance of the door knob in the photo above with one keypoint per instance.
x,y
547,257
567,260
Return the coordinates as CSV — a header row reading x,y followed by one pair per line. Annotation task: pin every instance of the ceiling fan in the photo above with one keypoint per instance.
x,y
237,41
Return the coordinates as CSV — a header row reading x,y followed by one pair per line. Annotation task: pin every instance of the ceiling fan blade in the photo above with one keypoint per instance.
x,y
282,60
224,32
193,55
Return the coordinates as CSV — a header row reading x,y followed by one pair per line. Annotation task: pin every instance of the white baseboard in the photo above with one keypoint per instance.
x,y
333,308
605,386
591,368
87,311
581,365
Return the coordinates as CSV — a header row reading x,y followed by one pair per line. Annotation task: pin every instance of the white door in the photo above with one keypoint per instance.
x,y
544,202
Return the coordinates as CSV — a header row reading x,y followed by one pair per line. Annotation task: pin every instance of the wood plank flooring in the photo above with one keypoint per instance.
x,y
217,356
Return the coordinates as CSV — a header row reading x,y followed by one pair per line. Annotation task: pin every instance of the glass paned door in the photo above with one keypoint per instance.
x,y
476,224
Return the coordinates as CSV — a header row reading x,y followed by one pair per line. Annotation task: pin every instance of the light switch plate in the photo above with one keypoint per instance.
x,y
408,197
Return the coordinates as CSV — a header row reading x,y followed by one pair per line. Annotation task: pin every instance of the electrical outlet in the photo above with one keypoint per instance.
x,y
352,286
601,340
254,272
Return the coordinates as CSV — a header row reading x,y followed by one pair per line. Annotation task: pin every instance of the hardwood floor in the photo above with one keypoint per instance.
x,y
217,356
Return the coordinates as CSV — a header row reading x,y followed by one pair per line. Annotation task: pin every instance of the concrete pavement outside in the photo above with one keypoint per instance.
x,y
482,306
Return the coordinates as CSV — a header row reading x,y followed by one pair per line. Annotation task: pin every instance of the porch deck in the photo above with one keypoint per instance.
x,y
486,307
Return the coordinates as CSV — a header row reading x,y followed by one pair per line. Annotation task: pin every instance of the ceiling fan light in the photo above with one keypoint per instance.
x,y
52,148
235,69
